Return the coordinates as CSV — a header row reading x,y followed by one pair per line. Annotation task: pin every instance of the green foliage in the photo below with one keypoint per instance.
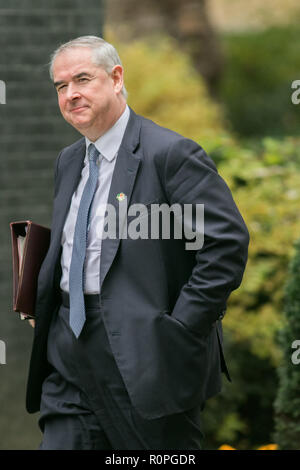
x,y
163,86
242,415
287,404
256,87
265,181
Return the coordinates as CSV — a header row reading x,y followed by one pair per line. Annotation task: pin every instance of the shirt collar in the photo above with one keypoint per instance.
x,y
108,144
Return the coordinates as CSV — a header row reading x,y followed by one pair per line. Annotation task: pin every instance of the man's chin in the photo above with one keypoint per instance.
x,y
79,125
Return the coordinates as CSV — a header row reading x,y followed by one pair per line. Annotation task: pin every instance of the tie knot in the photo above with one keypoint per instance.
x,y
93,152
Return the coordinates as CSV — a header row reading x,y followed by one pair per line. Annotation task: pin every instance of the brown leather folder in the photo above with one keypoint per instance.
x,y
30,243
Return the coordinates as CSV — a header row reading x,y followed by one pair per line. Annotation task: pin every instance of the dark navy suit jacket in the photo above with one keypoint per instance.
x,y
162,305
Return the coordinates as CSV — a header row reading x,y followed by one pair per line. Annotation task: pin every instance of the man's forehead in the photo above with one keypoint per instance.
x,y
74,52
73,61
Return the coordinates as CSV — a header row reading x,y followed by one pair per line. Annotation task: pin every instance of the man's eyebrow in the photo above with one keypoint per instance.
x,y
56,84
78,75
82,74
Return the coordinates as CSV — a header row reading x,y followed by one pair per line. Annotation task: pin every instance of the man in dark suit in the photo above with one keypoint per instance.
x,y
128,337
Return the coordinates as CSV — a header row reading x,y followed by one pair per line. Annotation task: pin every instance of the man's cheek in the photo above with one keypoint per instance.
x,y
61,104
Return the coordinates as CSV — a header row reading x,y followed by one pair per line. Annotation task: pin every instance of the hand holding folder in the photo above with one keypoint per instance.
x,y
30,243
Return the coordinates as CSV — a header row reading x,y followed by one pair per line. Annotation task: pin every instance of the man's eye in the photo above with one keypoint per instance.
x,y
61,87
82,79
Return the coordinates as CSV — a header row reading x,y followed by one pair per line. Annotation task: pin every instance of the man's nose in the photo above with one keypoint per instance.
x,y
72,92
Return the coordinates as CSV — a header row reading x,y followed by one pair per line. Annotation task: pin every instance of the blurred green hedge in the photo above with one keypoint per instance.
x,y
287,409
256,87
163,86
264,177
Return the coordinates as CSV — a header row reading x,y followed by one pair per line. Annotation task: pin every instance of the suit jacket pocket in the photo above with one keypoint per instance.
x,y
180,330
197,334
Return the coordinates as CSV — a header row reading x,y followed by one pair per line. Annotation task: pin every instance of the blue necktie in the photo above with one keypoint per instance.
x,y
76,278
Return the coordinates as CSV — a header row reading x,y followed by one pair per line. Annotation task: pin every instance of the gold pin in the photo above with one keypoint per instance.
x,y
120,197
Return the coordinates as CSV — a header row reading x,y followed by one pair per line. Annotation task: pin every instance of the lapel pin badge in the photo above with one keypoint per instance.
x,y
121,197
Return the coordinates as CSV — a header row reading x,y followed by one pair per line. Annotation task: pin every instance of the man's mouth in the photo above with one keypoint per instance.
x,y
77,109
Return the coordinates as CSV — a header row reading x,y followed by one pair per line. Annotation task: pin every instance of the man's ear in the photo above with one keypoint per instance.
x,y
117,75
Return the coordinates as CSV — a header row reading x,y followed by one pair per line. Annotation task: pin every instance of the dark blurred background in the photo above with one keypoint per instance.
x,y
217,71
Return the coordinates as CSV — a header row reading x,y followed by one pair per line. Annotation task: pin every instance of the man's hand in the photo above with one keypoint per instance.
x,y
30,320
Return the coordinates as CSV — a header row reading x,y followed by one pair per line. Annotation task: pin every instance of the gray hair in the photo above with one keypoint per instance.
x,y
103,54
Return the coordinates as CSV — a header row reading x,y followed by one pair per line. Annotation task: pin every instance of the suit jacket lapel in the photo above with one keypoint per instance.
x,y
123,179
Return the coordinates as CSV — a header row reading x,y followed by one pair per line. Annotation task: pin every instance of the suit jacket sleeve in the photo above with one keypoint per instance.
x,y
190,177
